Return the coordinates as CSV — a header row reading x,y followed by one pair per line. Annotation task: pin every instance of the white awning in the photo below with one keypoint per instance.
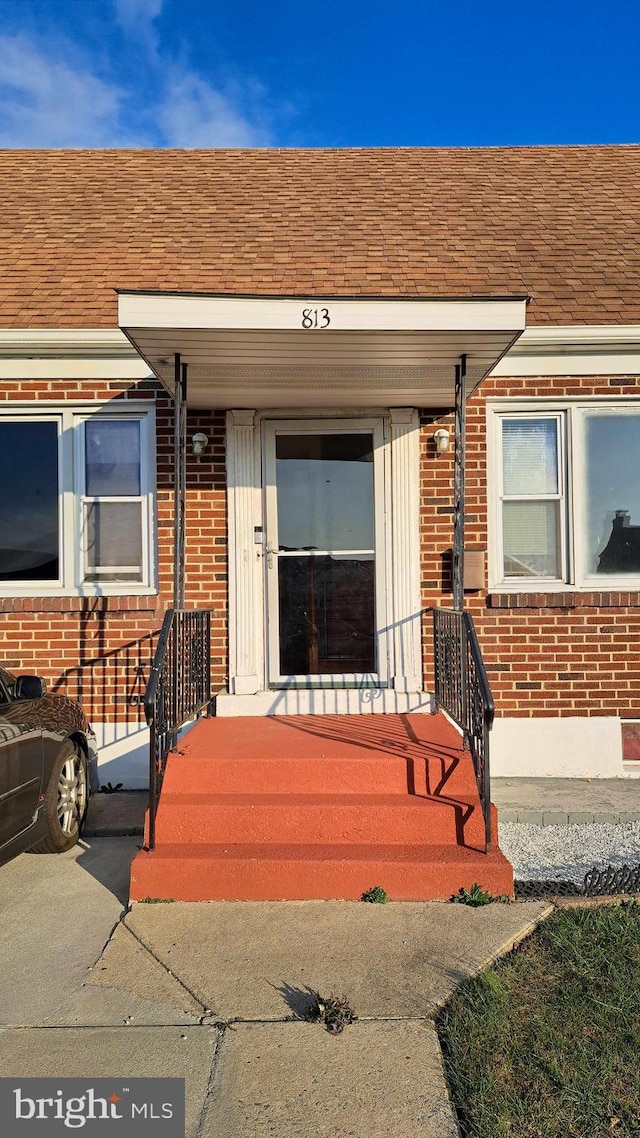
x,y
319,352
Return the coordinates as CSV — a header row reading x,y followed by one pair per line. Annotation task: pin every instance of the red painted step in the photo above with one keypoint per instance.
x,y
306,807
304,819
323,873
323,754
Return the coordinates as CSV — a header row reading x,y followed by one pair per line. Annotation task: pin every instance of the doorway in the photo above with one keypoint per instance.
x,y
324,553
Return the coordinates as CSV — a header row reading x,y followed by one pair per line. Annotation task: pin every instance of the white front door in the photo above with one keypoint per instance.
x,y
324,553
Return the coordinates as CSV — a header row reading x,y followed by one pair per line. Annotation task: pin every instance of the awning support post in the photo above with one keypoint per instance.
x,y
179,478
458,483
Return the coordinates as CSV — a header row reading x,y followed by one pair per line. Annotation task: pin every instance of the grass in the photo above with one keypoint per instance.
x,y
545,1044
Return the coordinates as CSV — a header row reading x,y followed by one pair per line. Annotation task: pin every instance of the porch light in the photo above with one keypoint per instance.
x,y
441,439
198,443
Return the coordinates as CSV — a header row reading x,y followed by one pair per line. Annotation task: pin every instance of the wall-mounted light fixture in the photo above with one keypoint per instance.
x,y
441,439
198,443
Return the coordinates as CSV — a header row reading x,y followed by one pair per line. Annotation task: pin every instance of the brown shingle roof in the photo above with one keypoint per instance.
x,y
561,224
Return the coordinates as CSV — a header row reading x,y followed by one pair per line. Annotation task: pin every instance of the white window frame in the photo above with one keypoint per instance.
x,y
560,496
572,413
71,418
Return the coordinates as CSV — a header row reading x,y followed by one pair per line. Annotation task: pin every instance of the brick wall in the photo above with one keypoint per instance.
x,y
548,654
99,649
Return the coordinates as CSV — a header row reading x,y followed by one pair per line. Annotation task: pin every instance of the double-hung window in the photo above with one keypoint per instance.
x,y
564,494
76,501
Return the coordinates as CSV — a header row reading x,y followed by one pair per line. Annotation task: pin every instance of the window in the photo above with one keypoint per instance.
x,y
76,496
112,501
29,500
567,501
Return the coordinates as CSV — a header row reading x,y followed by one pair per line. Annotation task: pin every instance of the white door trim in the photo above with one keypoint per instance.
x,y
244,509
404,570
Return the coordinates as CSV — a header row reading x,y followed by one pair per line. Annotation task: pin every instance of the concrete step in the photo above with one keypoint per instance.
x,y
349,774
319,807
319,818
322,736
315,754
251,872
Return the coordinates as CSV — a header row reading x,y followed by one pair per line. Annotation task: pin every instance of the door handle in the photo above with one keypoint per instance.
x,y
269,551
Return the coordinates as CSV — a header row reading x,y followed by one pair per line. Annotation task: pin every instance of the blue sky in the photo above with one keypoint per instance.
x,y
323,73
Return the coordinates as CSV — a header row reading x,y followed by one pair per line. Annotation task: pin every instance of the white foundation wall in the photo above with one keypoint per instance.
x,y
573,747
123,754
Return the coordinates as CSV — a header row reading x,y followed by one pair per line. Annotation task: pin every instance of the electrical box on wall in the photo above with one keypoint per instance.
x,y
474,569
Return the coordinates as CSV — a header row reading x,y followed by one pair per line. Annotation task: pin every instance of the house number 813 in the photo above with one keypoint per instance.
x,y
315,318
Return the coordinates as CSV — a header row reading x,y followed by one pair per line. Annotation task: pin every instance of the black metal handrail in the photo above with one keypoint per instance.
x,y
462,690
179,689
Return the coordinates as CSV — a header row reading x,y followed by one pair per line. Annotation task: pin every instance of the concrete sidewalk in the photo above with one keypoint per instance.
x,y
250,970
563,801
215,993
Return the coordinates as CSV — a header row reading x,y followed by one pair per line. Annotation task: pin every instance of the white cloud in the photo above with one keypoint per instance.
x,y
45,101
193,113
52,95
132,13
136,19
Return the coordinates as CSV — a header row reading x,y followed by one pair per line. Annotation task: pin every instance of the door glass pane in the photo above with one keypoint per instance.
x,y
326,614
112,458
29,525
114,541
325,491
531,539
613,493
530,456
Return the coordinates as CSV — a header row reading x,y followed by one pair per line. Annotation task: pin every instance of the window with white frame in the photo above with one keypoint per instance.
x,y
76,500
565,495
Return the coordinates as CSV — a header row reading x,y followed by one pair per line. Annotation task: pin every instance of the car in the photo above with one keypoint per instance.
x,y
48,767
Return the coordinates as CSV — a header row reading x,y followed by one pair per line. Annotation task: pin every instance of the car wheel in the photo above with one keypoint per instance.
x,y
66,801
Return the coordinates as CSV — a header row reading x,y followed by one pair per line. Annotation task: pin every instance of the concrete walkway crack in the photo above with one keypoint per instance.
x,y
204,1012
202,1128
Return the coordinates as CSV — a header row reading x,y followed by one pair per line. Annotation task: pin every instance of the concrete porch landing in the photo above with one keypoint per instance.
x,y
319,808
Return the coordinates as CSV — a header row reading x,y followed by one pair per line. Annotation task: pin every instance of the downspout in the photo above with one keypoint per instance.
x,y
458,483
458,529
179,479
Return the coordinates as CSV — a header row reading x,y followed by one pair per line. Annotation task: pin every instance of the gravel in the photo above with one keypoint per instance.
x,y
566,853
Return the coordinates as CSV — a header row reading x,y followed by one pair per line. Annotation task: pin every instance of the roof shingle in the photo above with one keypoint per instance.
x,y
560,224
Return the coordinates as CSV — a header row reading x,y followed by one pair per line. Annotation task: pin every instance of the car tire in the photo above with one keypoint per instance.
x,y
66,801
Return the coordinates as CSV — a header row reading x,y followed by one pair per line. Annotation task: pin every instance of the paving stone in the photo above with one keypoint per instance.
x,y
554,818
